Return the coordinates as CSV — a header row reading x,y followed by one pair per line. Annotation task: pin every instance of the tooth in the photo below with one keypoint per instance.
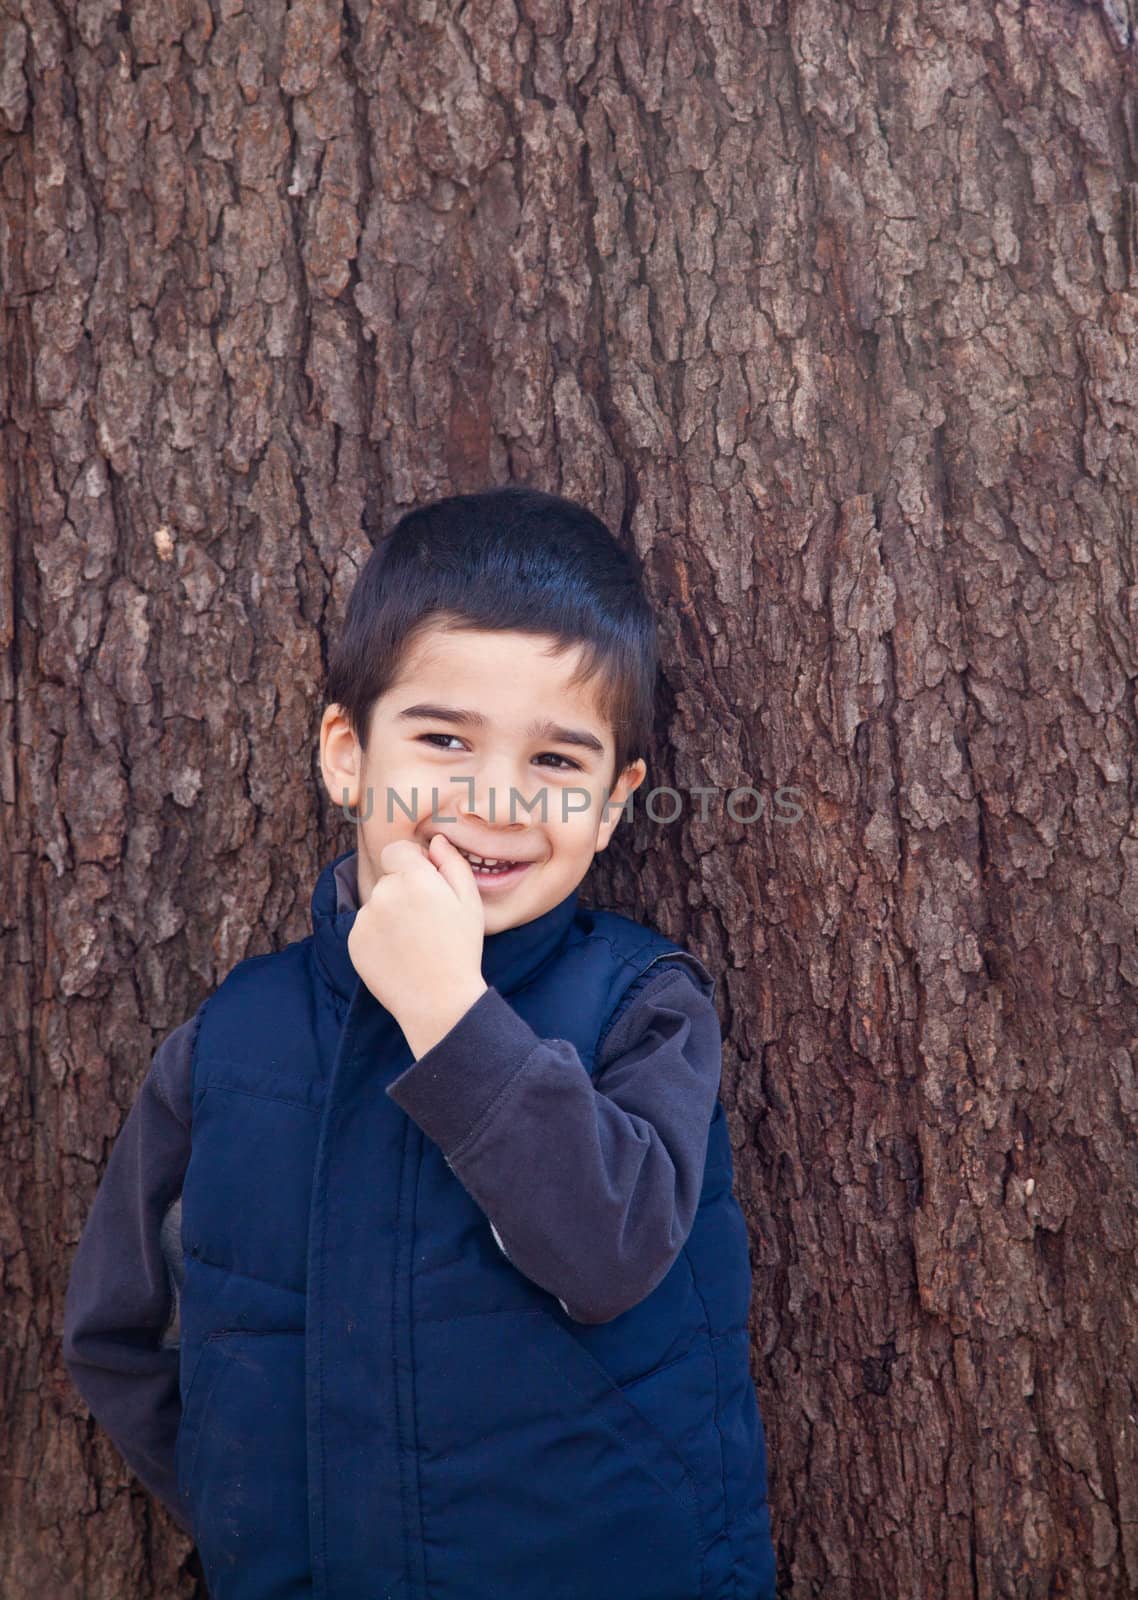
x,y
486,861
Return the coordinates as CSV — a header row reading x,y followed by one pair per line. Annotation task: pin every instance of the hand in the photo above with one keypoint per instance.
x,y
417,940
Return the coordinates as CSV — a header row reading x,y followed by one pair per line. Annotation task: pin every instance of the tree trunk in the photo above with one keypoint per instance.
x,y
830,311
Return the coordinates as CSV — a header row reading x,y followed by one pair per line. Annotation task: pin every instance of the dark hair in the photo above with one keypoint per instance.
x,y
510,558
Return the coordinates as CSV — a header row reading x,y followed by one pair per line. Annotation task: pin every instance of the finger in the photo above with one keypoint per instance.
x,y
455,868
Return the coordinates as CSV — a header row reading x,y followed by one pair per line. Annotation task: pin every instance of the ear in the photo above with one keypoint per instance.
x,y
341,759
630,779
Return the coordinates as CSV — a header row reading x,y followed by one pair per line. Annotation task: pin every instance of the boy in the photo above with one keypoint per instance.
x,y
458,1310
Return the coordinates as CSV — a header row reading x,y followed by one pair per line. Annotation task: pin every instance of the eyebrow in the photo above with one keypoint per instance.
x,y
542,728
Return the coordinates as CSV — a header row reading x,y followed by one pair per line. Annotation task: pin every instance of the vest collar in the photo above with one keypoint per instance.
x,y
509,958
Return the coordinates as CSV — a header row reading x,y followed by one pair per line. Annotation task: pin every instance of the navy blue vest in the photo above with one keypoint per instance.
x,y
377,1405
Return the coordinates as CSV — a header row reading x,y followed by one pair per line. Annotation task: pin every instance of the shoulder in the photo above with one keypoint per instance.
x,y
254,970
273,986
171,1069
674,991
641,946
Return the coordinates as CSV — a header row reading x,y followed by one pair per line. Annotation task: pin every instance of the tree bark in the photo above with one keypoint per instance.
x,y
829,310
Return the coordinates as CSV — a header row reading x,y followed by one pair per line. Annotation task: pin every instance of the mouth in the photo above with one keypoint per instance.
x,y
493,872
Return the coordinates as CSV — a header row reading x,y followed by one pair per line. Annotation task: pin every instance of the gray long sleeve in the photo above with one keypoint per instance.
x,y
591,1185
119,1329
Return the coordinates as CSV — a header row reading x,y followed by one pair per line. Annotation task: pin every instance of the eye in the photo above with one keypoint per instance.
x,y
570,766
443,736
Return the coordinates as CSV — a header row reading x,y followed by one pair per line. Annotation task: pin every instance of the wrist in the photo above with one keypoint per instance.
x,y
424,1025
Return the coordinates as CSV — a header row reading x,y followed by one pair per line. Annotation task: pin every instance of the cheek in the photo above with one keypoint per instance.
x,y
409,789
579,829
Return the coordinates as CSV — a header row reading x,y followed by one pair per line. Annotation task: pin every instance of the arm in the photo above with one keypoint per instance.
x,y
120,1303
591,1185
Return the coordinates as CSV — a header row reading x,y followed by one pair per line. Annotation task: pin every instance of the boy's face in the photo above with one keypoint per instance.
x,y
476,744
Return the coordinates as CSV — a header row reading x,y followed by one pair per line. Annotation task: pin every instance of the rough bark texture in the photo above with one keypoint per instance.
x,y
831,310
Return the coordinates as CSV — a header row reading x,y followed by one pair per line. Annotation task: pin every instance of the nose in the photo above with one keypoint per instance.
x,y
488,796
